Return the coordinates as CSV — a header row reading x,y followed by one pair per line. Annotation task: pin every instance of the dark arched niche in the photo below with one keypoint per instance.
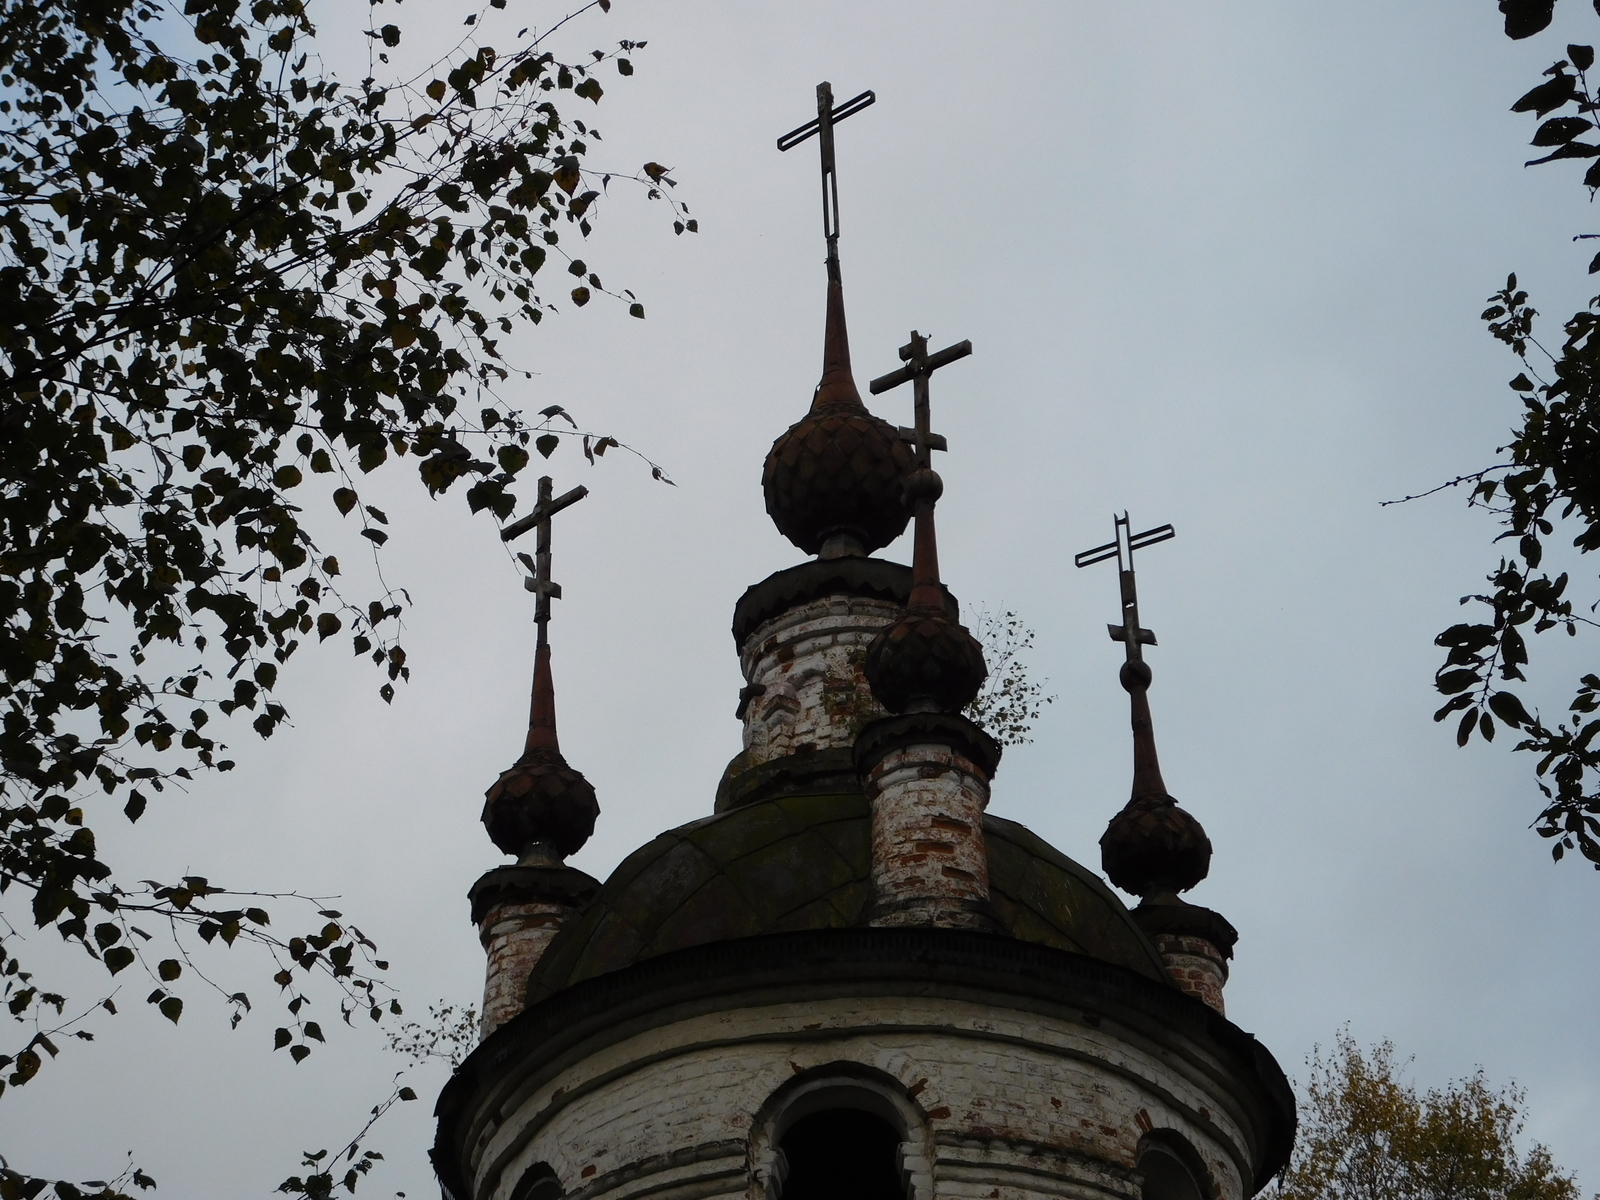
x,y
841,1154
1171,1168
538,1182
840,1132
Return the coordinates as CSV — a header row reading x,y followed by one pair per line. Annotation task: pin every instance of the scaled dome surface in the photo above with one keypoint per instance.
x,y
838,470
795,863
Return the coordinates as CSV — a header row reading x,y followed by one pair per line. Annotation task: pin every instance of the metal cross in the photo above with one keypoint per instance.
x,y
1130,633
920,365
827,116
540,584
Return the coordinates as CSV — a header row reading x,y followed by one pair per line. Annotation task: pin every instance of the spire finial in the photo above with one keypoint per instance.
x,y
923,485
1152,847
837,385
542,718
832,480
1135,675
925,661
822,126
541,801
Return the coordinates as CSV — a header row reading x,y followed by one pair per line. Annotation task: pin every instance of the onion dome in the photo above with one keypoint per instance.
x,y
925,662
835,476
1152,847
541,800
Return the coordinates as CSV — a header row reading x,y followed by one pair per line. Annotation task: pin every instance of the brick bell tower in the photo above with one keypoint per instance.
x,y
851,980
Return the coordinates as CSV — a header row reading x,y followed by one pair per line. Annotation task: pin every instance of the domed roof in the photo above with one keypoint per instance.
x,y
805,862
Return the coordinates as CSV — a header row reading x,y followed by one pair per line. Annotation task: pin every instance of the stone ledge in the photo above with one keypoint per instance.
x,y
516,884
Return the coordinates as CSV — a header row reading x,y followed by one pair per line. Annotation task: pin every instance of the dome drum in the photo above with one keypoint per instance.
x,y
803,635
1014,1066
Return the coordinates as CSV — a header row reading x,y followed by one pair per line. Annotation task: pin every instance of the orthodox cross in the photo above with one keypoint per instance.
x,y
1130,633
920,366
827,115
540,584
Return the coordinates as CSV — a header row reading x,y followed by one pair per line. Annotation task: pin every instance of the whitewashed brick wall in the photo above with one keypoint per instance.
x,y
1010,1104
809,659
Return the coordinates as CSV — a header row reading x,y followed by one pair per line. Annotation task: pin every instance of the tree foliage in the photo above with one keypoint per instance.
x,y
1010,701
232,285
1367,1134
1547,488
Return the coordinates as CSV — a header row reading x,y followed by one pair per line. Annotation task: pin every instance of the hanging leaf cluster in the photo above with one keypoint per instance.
x,y
1010,701
1547,487
232,286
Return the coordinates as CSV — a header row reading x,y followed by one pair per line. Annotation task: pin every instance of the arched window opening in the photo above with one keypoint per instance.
x,y
1167,1173
842,1154
538,1182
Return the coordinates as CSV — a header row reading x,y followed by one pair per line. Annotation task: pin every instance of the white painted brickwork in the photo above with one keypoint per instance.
x,y
1005,1105
513,937
809,660
929,865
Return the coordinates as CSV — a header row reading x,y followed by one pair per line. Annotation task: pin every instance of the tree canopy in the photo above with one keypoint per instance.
x,y
1367,1134
232,285
1547,487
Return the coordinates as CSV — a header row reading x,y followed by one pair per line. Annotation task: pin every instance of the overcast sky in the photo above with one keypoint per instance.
x,y
1221,264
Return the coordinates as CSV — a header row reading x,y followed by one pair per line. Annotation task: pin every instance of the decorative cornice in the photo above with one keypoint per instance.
x,y
515,884
872,578
1176,917
812,773
920,729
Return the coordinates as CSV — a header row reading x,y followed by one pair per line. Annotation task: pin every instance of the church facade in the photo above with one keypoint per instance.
x,y
850,980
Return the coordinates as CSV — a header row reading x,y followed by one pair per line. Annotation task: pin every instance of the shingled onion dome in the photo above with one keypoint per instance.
x,y
1152,847
541,807
925,662
832,481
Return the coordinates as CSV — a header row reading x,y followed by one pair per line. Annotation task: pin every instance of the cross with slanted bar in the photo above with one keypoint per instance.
x,y
1130,632
540,584
920,365
827,116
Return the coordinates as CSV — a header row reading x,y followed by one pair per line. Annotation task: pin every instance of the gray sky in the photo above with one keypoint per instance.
x,y
1221,264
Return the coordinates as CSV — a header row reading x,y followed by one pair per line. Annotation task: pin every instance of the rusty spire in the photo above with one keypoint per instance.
x,y
542,714
541,806
926,589
923,485
838,384
925,661
837,387
1135,673
1152,847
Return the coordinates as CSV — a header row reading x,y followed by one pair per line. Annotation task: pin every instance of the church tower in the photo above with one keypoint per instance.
x,y
851,980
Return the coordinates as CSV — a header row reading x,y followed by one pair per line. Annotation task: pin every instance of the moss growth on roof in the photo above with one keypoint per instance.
x,y
805,862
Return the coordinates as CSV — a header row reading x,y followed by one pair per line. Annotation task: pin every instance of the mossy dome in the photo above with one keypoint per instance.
x,y
794,863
